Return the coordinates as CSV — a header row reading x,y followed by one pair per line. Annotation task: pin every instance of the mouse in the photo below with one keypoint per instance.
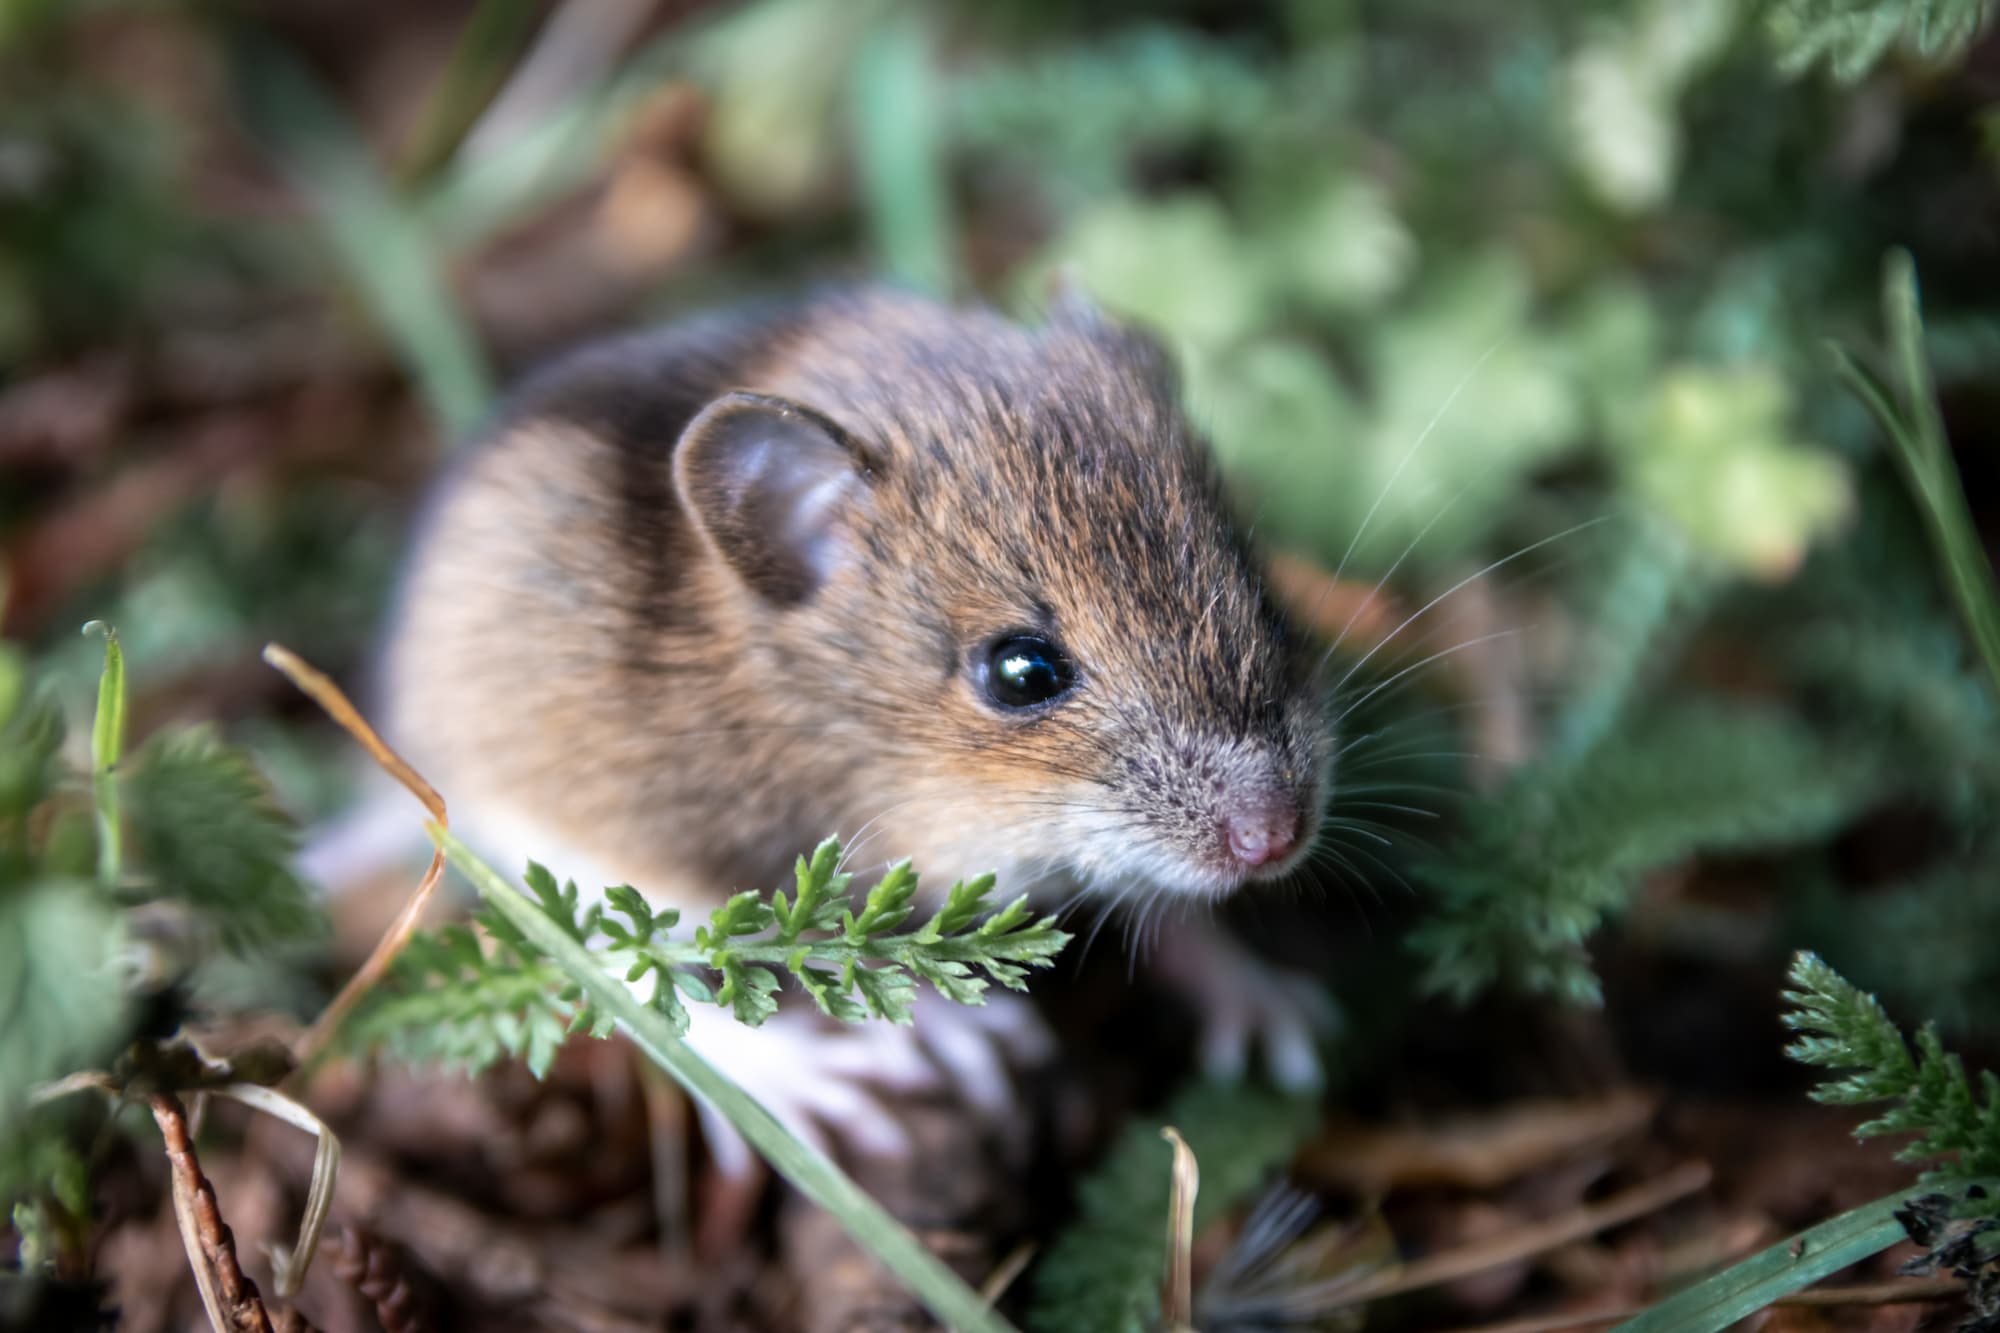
x,y
956,588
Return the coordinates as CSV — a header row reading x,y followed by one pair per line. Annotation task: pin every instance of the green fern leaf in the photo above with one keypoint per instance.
x,y
1957,1129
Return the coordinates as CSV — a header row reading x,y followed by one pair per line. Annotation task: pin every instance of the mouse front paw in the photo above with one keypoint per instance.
x,y
1245,1002
825,1081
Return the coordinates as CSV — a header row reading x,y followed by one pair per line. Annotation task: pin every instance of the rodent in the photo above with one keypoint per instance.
x,y
951,587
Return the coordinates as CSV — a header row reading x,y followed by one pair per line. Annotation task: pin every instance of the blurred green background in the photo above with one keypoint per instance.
x,y
1446,280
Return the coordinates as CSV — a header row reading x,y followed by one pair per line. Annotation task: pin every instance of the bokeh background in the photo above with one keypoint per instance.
x,y
1549,284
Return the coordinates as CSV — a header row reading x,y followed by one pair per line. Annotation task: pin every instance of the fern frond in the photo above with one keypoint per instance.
x,y
1104,1272
1562,847
467,999
1852,36
1956,1126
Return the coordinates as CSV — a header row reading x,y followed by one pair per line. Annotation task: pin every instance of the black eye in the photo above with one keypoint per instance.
x,y
1023,670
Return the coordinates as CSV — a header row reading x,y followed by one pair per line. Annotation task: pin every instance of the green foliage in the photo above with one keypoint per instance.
x,y
1907,410
209,835
469,999
556,935
1104,1272
1852,36
1931,1096
1543,862
197,828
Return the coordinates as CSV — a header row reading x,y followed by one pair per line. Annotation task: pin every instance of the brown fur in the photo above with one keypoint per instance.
x,y
570,652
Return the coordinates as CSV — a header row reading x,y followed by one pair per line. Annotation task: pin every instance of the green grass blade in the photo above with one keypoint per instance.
x,y
384,249
107,747
941,1291
486,53
1909,415
1788,1266
896,115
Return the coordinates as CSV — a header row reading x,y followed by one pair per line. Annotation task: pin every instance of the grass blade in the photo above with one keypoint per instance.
x,y
902,175
487,49
107,747
954,1303
1908,413
384,249
1788,1266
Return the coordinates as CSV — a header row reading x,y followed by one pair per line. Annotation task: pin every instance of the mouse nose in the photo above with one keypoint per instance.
x,y
1262,829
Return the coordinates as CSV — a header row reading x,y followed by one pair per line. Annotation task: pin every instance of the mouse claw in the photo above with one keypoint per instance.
x,y
823,1082
821,1085
1245,1004
977,1045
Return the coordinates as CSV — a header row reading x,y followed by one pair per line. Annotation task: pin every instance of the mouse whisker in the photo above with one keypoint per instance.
x,y
1361,529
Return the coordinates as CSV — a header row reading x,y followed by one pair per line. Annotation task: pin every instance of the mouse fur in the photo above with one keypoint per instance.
x,y
703,595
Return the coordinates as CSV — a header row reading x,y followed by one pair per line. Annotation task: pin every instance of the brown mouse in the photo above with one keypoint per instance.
x,y
952,588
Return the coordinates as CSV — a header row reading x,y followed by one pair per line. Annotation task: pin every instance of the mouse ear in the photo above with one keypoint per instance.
x,y
767,480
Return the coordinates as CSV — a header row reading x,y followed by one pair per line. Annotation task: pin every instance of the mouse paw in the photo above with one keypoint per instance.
x,y
1246,1002
823,1081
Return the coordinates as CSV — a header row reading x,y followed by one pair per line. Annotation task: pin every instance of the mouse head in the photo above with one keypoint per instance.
x,y
1001,563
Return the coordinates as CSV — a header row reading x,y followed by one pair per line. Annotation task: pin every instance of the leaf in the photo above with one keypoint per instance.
x,y
1788,1266
962,906
386,252
1712,450
207,832
747,990
1910,417
887,991
822,894
1103,1273
887,905
107,747
1929,1095
1852,36
64,1005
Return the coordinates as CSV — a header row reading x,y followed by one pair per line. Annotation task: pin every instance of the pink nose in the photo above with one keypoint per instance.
x,y
1262,831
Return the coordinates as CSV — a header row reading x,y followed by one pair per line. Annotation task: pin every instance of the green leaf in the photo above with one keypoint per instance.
x,y
962,906
385,251
895,95
1104,1272
888,991
1909,415
206,831
1852,36
107,747
887,905
1929,1095
747,990
1789,1266
64,1005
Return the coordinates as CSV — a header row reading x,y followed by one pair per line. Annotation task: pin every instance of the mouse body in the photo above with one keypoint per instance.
x,y
952,588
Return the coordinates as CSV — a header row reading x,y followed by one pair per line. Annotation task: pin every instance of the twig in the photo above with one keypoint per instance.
x,y
317,686
229,1296
1863,1294
1520,1243
1002,1277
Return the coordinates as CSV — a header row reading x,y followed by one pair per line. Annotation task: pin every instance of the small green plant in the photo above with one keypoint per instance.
x,y
1104,1272
466,998
1852,36
1958,1133
1956,1122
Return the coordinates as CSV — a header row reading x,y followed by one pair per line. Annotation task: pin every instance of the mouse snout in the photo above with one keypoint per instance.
x,y
1262,827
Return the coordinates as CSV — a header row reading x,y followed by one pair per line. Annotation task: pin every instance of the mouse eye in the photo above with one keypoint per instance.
x,y
1023,670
